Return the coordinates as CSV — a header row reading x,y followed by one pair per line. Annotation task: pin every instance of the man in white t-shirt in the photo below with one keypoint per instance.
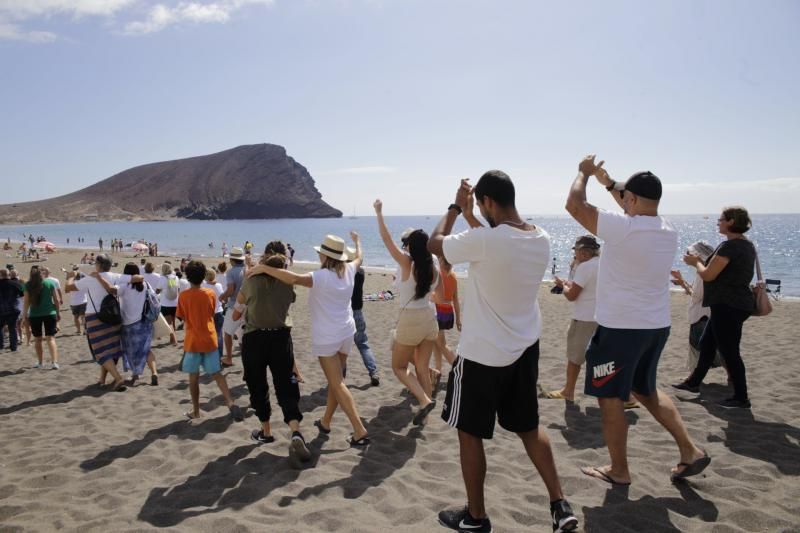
x,y
494,376
632,313
581,290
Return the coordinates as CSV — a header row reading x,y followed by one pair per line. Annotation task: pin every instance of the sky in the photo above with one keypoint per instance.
x,y
399,99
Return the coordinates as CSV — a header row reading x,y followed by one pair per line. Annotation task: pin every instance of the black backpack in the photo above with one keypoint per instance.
x,y
109,312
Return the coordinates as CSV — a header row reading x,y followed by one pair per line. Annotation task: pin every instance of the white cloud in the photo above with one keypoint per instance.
x,y
12,32
25,9
162,16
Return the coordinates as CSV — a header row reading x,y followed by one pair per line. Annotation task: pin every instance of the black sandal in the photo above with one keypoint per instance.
x,y
360,443
322,429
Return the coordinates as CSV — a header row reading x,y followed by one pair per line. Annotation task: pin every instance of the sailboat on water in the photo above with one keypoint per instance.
x,y
353,216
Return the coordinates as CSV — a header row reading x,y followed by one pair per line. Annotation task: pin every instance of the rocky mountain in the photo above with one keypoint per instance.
x,y
246,182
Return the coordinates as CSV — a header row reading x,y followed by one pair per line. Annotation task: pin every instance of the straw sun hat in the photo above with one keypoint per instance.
x,y
334,248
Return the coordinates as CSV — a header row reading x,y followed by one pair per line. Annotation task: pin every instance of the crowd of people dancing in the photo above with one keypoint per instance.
x,y
618,329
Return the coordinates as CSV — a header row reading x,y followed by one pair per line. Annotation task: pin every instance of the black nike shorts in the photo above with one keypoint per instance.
x,y
478,394
619,361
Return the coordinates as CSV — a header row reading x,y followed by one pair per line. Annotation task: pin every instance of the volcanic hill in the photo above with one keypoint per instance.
x,y
247,182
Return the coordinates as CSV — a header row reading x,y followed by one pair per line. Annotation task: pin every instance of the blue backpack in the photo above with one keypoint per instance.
x,y
152,308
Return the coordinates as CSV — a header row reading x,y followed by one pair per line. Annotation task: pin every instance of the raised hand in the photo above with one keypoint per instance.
x,y
588,167
378,205
463,195
354,236
602,176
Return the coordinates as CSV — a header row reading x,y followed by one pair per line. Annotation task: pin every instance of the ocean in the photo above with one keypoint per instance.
x,y
776,236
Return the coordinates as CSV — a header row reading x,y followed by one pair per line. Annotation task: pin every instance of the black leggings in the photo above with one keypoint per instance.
x,y
273,349
724,333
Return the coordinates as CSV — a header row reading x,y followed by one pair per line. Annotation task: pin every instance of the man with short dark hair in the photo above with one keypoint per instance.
x,y
494,376
633,315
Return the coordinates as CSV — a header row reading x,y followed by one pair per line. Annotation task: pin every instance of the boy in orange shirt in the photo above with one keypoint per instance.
x,y
196,308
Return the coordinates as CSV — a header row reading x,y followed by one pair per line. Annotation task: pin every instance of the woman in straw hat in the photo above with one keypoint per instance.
x,y
332,324
417,329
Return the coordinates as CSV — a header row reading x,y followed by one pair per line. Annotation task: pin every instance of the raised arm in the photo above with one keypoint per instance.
x,y
582,211
611,186
69,286
445,225
286,276
359,254
106,285
394,250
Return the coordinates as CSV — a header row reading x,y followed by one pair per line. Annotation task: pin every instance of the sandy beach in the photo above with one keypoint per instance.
x,y
74,457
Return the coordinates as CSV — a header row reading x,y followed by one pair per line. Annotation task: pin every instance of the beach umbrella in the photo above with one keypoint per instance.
x,y
139,247
47,246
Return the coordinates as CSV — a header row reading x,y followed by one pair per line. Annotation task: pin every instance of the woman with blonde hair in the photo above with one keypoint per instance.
x,y
332,324
417,329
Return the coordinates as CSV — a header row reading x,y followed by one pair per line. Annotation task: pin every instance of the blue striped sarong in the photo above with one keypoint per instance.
x,y
136,345
104,340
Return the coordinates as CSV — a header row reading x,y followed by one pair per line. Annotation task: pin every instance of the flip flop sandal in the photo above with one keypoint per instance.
x,y
322,429
360,443
419,418
190,416
691,469
602,476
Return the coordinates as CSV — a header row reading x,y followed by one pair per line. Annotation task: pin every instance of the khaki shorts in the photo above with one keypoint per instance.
x,y
579,335
415,326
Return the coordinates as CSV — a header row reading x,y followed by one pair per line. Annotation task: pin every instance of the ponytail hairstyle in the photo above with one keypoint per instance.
x,y
423,262
132,269
35,285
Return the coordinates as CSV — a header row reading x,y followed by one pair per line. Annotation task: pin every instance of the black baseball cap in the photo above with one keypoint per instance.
x,y
644,184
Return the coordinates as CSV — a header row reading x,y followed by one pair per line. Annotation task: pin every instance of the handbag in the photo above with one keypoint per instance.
x,y
763,305
152,308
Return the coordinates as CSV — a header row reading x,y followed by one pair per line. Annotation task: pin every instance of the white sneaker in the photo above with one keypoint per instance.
x,y
55,366
37,365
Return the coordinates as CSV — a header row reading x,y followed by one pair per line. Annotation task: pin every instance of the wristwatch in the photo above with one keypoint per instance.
x,y
611,187
456,207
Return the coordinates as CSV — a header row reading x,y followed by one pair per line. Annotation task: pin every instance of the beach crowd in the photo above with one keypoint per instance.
x,y
618,284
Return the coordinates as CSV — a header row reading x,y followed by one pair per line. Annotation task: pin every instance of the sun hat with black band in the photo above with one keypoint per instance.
x,y
404,236
644,184
236,253
334,248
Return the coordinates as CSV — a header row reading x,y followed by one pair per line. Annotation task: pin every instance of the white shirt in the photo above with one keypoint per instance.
x,y
500,314
54,280
131,303
406,290
156,282
96,292
696,309
77,297
585,275
633,278
217,288
183,284
329,305
165,280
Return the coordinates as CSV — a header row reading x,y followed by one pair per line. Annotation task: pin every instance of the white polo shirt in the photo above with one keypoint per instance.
x,y
500,313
